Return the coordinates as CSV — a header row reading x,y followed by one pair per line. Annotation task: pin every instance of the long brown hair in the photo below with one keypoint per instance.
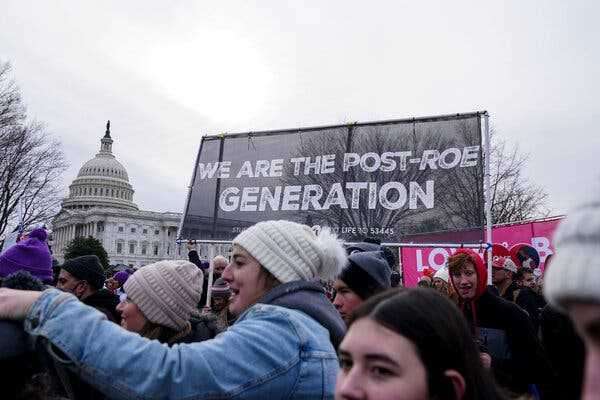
x,y
164,334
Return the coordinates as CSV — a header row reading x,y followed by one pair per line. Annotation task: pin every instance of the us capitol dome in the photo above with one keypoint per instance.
x,y
101,182
100,204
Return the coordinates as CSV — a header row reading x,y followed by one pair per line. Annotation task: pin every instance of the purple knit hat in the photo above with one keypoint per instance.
x,y
121,277
31,255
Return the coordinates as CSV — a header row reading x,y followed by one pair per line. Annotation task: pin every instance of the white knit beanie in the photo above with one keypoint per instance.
x,y
574,273
443,274
167,292
292,251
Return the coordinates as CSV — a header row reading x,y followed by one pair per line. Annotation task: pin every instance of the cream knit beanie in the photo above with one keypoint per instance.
x,y
574,274
167,292
292,251
443,274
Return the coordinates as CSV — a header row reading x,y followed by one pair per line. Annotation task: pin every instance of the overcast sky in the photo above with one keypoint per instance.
x,y
165,74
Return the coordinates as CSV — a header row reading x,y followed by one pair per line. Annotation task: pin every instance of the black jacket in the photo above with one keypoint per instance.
x,y
310,298
565,351
204,327
533,303
528,300
105,302
194,258
506,333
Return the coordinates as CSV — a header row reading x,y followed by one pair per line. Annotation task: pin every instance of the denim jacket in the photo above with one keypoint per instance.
x,y
271,352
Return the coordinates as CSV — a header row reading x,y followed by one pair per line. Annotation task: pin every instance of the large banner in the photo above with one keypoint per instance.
x,y
536,233
396,180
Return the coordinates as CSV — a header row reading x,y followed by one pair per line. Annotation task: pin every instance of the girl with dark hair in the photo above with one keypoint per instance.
x,y
411,344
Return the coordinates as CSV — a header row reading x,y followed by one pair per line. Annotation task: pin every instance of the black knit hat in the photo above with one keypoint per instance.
x,y
362,246
370,244
367,273
86,268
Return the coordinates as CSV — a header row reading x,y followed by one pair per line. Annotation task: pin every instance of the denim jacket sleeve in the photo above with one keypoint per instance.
x,y
264,348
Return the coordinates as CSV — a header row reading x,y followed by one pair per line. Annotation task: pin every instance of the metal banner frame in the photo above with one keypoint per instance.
x,y
486,150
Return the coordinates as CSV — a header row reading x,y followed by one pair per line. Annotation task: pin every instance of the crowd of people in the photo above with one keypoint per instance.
x,y
295,314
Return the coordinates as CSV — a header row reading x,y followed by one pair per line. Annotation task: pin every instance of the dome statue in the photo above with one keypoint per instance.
x,y
101,182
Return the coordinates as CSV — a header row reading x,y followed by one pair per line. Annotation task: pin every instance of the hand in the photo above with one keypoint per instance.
x,y
486,360
15,304
206,310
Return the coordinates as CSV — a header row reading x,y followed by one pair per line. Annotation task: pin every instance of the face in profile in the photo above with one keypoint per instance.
x,y
218,303
377,363
345,300
219,265
528,281
440,285
499,275
465,281
132,317
111,284
246,279
70,284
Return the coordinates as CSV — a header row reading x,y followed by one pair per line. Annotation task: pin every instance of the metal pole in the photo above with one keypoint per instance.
x,y
488,190
387,244
446,117
211,257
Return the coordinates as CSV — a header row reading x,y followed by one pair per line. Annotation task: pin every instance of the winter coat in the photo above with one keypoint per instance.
x,y
105,302
22,373
310,298
271,352
194,258
533,303
505,332
566,352
204,327
528,300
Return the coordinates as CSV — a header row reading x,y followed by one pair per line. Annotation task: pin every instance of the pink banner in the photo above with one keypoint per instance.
x,y
537,233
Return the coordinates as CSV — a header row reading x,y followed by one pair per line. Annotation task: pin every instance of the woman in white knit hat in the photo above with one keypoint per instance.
x,y
160,299
282,345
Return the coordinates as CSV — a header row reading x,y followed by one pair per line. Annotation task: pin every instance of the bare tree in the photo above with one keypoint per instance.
x,y
31,162
377,139
12,110
459,192
514,197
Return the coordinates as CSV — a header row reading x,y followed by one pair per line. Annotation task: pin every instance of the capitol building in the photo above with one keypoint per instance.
x,y
100,204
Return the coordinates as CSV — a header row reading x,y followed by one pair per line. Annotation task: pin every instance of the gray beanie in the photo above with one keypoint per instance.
x,y
167,292
367,273
574,274
292,251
